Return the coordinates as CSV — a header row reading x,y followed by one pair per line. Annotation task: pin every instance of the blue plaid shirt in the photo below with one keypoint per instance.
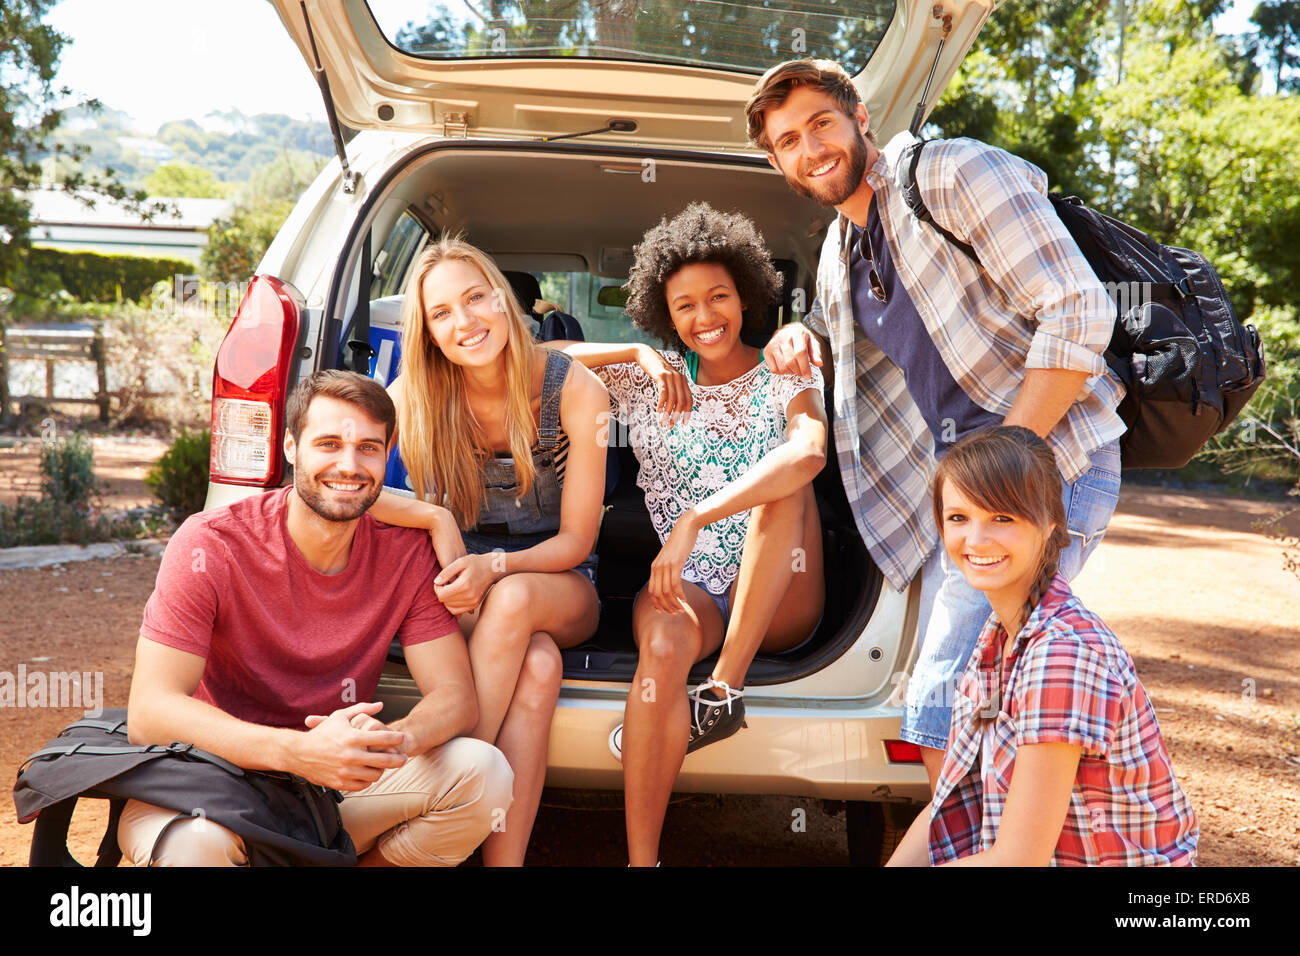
x,y
1035,303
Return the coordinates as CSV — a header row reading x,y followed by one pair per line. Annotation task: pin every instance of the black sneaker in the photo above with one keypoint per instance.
x,y
714,718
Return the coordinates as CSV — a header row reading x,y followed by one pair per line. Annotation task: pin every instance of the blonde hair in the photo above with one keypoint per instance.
x,y
441,441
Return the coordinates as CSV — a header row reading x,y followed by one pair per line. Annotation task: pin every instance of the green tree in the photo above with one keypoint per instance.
x,y
1279,34
1151,117
1201,164
185,137
184,179
31,108
236,244
1028,87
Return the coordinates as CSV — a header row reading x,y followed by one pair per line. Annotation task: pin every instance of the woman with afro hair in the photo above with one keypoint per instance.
x,y
728,451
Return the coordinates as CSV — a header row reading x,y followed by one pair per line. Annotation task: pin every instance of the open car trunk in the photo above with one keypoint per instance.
x,y
580,208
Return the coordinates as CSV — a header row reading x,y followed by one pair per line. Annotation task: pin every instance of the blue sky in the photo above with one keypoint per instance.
x,y
161,60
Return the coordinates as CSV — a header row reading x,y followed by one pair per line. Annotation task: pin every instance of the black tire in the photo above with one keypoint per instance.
x,y
875,829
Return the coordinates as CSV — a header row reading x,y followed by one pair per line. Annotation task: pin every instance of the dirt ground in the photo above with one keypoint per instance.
x,y
1201,601
120,463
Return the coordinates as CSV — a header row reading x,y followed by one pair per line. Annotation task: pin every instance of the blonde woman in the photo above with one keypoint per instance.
x,y
502,435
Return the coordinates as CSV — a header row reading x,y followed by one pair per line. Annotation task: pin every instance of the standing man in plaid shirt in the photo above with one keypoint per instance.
x,y
926,346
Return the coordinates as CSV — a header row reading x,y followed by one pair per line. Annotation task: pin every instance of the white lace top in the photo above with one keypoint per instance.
x,y
730,428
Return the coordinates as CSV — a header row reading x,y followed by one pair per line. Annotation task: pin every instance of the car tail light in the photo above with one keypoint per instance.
x,y
900,751
249,385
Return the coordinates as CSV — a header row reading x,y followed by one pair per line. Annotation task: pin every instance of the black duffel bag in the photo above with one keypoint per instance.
x,y
1187,363
283,819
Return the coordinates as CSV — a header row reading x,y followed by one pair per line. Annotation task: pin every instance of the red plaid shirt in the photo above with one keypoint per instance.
x,y
1067,680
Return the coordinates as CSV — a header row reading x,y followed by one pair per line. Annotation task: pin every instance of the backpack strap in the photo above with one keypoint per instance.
x,y
916,203
100,750
304,791
50,836
109,853
90,723
153,850
557,370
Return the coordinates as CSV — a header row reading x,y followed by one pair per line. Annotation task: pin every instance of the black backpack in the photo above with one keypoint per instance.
x,y
556,325
1187,364
283,819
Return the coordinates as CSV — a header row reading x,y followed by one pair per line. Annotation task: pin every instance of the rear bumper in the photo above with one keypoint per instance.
x,y
826,749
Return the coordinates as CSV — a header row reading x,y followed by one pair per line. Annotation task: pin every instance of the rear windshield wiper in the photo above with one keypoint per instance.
x,y
615,126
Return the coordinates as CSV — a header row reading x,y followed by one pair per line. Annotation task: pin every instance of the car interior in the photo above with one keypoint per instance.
x,y
563,222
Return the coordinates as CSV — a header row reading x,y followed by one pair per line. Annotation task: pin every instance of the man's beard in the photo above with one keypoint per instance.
x,y
832,194
314,496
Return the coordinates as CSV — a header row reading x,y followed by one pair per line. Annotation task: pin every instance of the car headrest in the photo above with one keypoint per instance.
x,y
758,335
526,288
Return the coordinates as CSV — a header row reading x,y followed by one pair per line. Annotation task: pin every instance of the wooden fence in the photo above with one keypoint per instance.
x,y
83,342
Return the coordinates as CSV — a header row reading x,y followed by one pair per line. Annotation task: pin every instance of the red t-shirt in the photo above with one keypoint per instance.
x,y
281,639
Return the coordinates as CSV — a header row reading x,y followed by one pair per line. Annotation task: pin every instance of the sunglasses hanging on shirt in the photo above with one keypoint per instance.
x,y
866,251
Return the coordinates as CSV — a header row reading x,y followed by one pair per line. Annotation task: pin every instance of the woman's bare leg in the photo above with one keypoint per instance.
x,y
523,739
514,652
562,605
656,722
780,591
776,602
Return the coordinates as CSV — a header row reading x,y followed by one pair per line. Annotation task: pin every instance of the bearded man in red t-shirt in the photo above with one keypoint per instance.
x,y
264,640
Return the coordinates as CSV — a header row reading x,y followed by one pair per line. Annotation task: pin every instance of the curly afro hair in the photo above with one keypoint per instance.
x,y
699,233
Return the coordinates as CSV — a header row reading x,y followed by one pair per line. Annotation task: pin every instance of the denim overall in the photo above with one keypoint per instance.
x,y
512,523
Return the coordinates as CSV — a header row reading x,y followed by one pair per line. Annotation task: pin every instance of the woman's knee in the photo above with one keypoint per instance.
x,y
668,645
510,599
541,673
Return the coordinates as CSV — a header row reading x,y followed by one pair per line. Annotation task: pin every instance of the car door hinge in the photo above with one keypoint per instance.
x,y
455,124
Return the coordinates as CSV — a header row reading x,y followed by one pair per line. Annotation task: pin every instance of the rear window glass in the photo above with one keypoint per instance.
x,y
746,37
395,258
579,294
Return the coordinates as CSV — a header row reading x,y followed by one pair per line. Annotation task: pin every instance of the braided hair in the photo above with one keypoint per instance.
x,y
1010,470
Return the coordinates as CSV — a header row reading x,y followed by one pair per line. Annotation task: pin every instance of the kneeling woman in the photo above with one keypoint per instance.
x,y
1054,754
504,434
728,488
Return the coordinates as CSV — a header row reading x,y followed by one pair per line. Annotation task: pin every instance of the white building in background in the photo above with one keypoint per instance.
x,y
61,221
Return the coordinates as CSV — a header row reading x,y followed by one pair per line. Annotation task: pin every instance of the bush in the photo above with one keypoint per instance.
x,y
91,277
159,353
33,521
66,512
67,475
160,361
179,479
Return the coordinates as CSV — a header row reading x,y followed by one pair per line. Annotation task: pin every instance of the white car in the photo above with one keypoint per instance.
x,y
553,137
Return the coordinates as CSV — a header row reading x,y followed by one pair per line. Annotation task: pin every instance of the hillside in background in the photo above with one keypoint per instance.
x,y
231,145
